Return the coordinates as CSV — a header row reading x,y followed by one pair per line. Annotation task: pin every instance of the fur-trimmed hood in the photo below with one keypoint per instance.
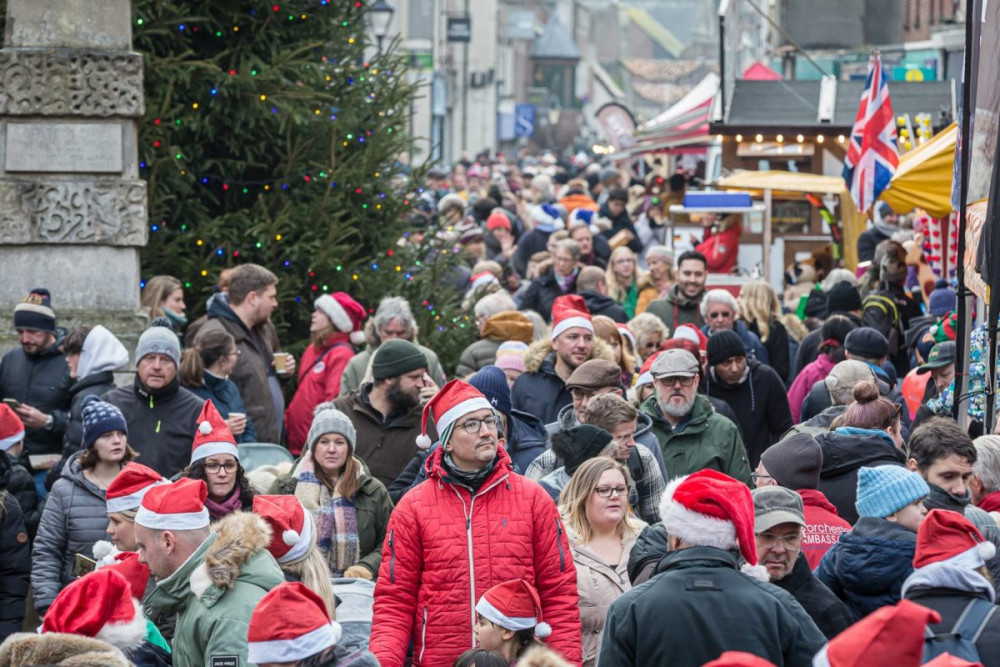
x,y
56,648
240,536
540,349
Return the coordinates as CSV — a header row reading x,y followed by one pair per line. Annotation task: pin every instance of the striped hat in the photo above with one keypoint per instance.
x,y
176,506
129,487
35,312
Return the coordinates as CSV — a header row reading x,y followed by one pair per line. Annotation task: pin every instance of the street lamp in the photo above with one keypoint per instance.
x,y
381,17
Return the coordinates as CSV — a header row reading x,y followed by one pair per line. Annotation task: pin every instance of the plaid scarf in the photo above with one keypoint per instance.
x,y
335,515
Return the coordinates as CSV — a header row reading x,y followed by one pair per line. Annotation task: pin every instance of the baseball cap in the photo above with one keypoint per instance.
x,y
941,355
774,505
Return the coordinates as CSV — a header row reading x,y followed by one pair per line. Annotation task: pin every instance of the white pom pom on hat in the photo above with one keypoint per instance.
x,y
543,630
205,427
290,537
423,442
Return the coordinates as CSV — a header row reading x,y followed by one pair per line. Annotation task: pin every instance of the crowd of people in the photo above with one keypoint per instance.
x,y
626,468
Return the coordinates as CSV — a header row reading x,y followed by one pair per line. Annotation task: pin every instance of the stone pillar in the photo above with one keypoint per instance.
x,y
73,210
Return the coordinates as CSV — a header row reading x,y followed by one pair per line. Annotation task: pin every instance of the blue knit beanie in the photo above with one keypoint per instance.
x,y
100,418
885,490
492,383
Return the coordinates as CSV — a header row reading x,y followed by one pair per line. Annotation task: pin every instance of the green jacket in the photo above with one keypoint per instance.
x,y
708,440
213,606
372,506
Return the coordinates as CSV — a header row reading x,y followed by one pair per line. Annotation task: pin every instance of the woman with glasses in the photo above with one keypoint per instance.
x,y
205,370
602,531
627,284
229,490
351,508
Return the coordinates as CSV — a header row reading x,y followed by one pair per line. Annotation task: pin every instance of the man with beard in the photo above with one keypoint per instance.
x,y
691,434
683,304
778,523
753,390
541,390
386,411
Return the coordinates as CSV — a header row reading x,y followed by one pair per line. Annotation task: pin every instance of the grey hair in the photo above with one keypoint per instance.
x,y
540,326
543,184
491,304
570,246
718,296
839,275
393,308
987,465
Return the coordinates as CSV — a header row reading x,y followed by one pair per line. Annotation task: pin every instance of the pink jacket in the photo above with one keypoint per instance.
x,y
808,376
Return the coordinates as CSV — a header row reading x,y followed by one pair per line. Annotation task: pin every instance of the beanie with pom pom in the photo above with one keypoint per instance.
x,y
99,418
328,419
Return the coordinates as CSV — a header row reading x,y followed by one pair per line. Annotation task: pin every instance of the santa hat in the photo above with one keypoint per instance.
x,y
514,605
948,537
710,509
99,605
739,659
127,489
482,279
457,398
290,624
346,314
625,331
292,527
546,218
177,506
213,435
568,311
11,427
890,636
126,563
948,660
692,333
645,376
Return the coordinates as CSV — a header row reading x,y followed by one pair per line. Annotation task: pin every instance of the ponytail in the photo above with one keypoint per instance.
x,y
192,370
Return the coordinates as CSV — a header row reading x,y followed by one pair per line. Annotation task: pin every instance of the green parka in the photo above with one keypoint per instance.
x,y
707,440
214,603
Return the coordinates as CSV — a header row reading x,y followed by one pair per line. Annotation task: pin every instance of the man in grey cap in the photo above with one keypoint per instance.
x,y
162,415
692,436
778,524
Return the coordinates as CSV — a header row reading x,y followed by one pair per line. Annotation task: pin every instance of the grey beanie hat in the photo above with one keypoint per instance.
x,y
158,340
328,419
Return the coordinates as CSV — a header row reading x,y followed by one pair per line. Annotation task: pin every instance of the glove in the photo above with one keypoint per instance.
x,y
358,572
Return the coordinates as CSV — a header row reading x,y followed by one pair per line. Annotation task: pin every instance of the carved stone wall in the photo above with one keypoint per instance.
x,y
66,82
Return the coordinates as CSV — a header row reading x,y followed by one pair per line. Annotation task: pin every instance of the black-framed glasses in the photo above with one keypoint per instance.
x,y
213,468
755,477
606,491
683,380
471,426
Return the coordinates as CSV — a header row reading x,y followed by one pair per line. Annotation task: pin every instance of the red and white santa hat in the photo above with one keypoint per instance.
x,y
127,489
292,526
710,509
11,427
692,333
948,537
893,635
645,374
739,659
514,605
126,563
346,314
289,624
213,435
482,279
99,605
568,311
176,506
457,398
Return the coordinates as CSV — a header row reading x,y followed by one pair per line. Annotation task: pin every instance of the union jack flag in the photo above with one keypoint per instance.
x,y
872,153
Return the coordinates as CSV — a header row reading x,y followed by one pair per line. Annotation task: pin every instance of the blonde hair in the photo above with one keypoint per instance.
x,y
759,303
156,291
645,325
314,572
576,494
639,277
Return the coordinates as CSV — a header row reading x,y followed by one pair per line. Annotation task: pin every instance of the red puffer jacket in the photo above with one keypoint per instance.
x,y
440,539
319,380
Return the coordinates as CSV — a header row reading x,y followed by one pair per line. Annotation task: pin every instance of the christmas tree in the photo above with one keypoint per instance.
x,y
272,134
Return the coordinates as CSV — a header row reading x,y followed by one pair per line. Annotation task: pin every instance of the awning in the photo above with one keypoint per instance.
x,y
923,177
794,183
695,104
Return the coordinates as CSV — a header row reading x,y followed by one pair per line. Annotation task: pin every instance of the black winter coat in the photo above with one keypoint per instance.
x,y
542,292
696,608
41,381
844,451
830,614
15,558
950,603
161,424
621,223
777,348
598,304
760,404
533,241
16,479
648,550
541,393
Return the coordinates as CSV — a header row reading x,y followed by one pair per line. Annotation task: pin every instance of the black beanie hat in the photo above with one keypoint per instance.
x,y
578,444
396,357
843,298
724,345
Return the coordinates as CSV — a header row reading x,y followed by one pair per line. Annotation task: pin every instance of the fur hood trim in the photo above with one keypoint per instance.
x,y
540,349
541,656
56,648
241,535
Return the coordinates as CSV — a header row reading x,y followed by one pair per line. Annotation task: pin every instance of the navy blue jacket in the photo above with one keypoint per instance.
x,y
541,393
867,566
15,557
226,398
844,451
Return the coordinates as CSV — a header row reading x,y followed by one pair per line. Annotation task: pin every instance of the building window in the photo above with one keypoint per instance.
x,y
906,16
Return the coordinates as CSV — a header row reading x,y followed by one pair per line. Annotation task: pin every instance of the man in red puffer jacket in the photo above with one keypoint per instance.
x,y
471,525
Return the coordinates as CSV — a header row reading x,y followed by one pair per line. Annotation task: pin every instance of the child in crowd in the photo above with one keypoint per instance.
x,y
509,619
